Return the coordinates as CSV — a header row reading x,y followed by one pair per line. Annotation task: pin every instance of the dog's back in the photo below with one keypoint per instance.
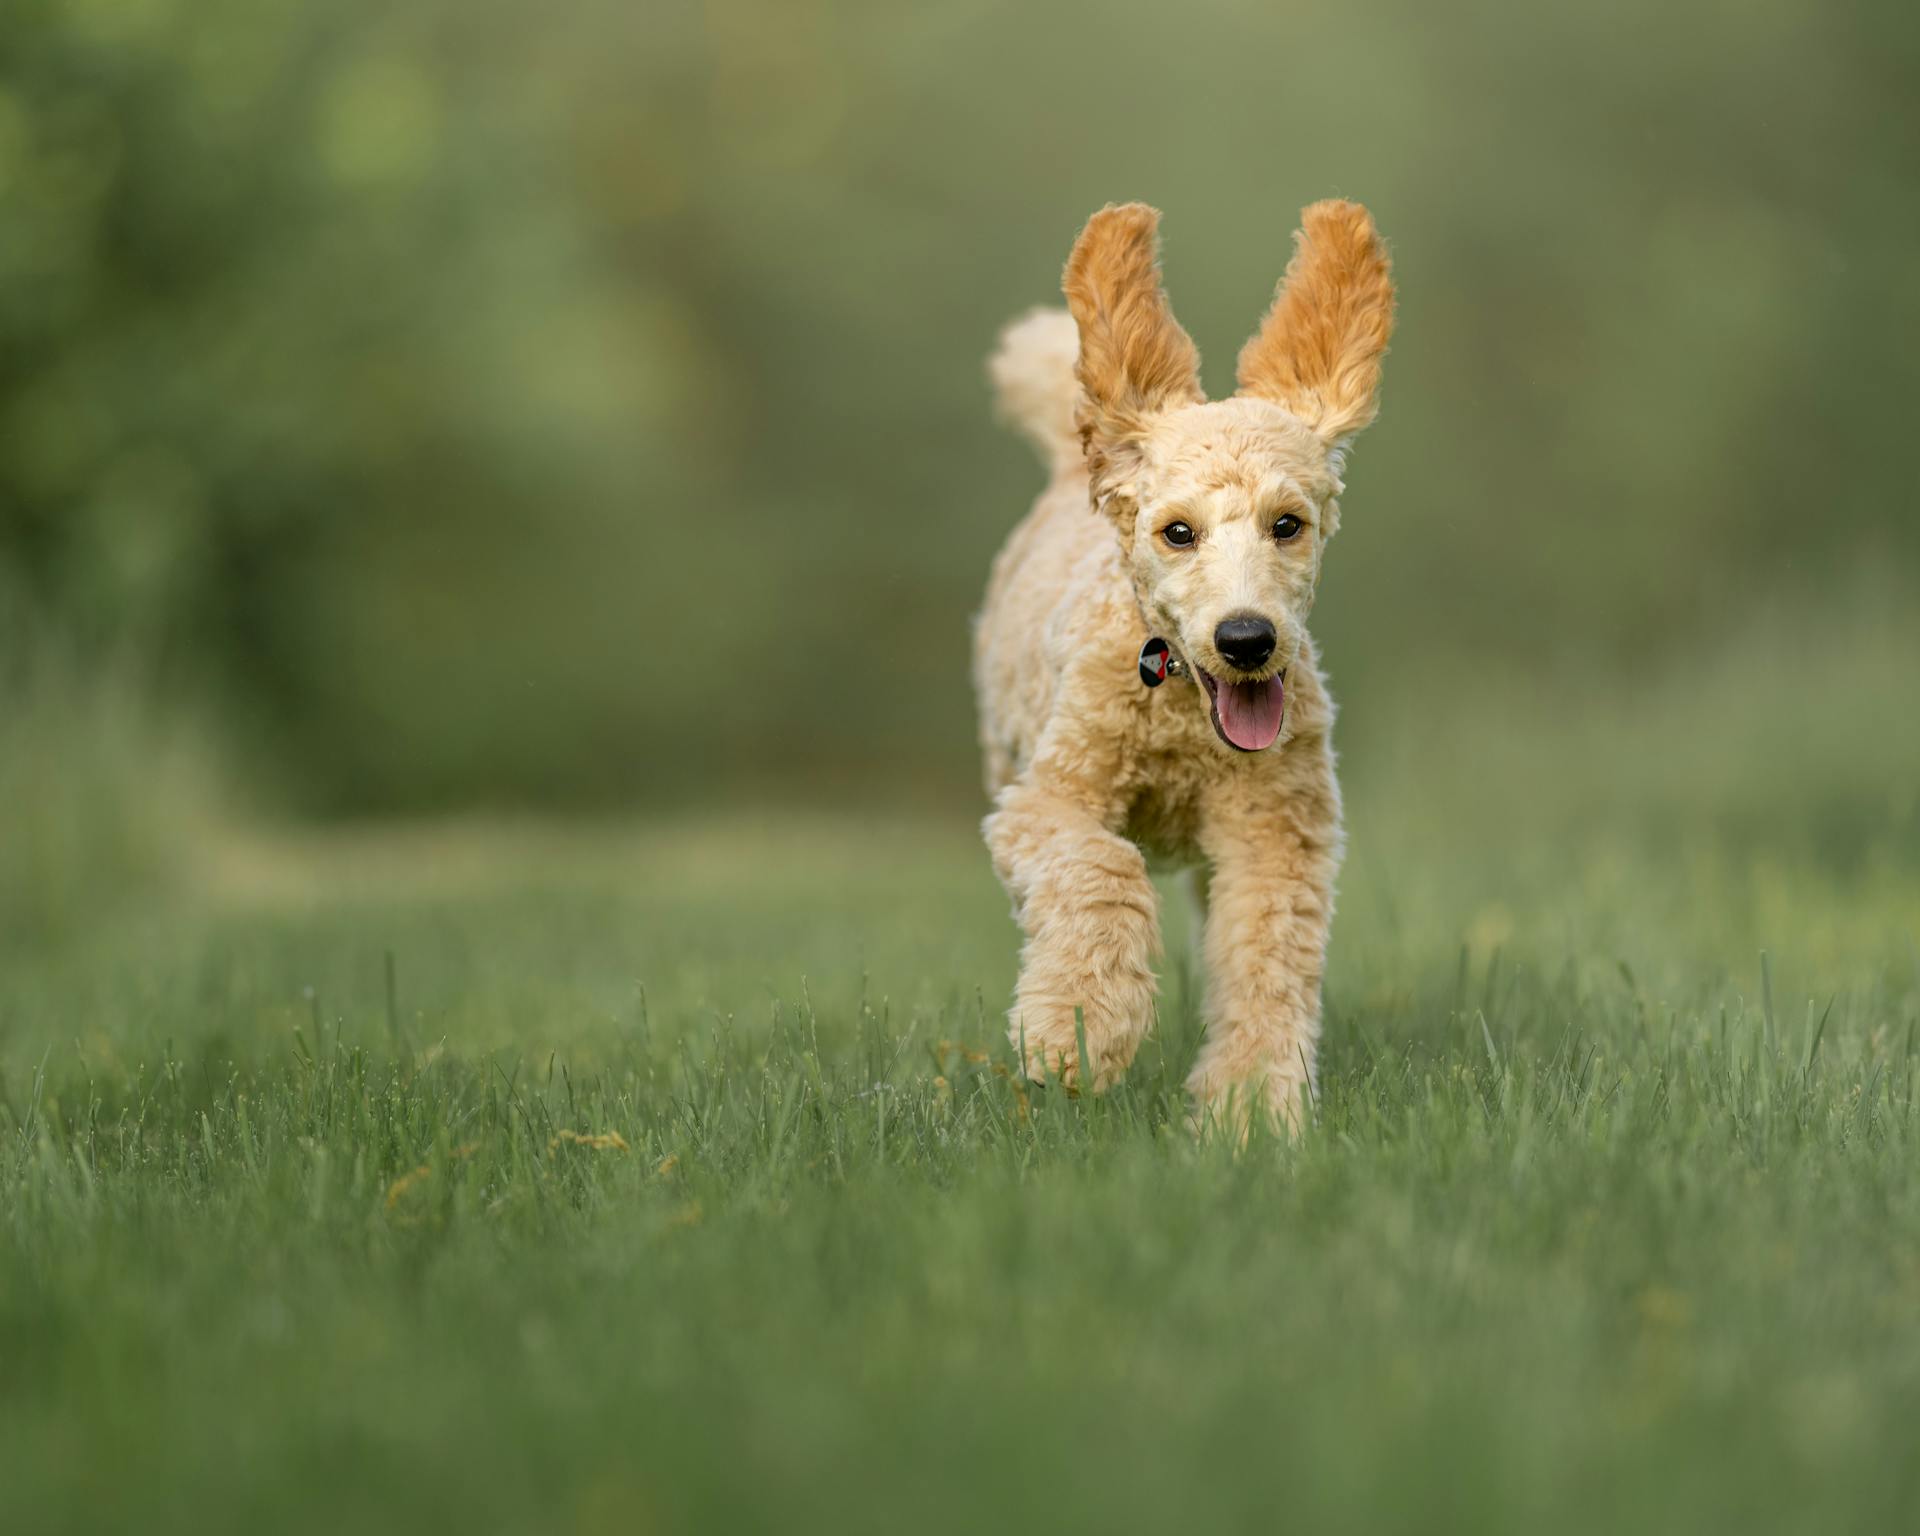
x,y
1060,556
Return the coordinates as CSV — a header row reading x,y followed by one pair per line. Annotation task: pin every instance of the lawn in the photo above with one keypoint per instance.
x,y
648,1176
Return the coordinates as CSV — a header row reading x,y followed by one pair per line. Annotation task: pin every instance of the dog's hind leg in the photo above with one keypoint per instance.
x,y
1081,895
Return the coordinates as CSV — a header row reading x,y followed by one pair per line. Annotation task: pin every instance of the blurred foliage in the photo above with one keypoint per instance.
x,y
582,403
103,798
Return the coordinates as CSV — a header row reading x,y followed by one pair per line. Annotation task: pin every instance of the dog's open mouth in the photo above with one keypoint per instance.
x,y
1247,715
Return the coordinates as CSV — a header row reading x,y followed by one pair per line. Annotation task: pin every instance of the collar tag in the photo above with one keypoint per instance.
x,y
1156,662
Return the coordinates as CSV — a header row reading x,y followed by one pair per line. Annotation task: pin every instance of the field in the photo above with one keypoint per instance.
x,y
547,1178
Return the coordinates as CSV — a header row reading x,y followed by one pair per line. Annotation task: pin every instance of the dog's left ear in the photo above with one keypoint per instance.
x,y
1318,351
1134,360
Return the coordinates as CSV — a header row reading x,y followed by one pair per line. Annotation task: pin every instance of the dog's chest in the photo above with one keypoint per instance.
x,y
1165,827
1176,765
1170,771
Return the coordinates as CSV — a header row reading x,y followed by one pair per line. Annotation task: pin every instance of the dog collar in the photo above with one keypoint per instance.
x,y
1158,663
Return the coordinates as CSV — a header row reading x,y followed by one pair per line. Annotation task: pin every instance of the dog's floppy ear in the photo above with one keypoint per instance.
x,y
1318,351
1135,360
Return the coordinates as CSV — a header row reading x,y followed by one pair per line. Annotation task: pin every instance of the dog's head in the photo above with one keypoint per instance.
x,y
1225,507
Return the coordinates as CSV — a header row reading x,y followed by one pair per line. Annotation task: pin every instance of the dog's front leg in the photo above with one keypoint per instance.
x,y
1274,859
1082,897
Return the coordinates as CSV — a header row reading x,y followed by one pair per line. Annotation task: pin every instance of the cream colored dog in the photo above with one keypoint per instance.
x,y
1201,522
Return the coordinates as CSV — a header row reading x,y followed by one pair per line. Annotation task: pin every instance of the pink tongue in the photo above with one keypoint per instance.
x,y
1250,712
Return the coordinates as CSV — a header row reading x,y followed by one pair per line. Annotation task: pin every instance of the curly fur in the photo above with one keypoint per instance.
x,y
1091,772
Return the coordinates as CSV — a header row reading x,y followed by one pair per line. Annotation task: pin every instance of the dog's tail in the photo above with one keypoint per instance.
x,y
1034,384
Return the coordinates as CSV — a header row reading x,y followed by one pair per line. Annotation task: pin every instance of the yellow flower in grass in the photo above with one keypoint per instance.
x,y
594,1141
396,1191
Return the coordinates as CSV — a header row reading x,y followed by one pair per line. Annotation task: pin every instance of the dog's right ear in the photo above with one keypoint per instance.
x,y
1135,360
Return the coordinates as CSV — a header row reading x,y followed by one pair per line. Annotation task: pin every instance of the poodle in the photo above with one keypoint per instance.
x,y
1178,540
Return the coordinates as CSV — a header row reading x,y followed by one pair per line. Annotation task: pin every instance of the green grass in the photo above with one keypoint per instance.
x,y
1607,1222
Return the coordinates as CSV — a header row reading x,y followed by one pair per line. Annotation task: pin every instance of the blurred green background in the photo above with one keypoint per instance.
x,y
464,404
491,498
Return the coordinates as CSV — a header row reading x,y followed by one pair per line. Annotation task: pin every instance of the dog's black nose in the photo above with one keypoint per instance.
x,y
1246,641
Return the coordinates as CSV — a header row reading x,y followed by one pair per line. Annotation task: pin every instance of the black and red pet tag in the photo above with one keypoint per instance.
x,y
1156,659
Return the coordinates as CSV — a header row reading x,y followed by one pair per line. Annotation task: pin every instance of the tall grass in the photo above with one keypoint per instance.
x,y
678,1179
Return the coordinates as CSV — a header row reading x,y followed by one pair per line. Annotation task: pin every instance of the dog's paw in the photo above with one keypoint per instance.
x,y
1279,1101
1050,1040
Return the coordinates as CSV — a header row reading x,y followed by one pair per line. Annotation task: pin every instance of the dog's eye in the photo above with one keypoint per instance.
x,y
1179,535
1286,527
